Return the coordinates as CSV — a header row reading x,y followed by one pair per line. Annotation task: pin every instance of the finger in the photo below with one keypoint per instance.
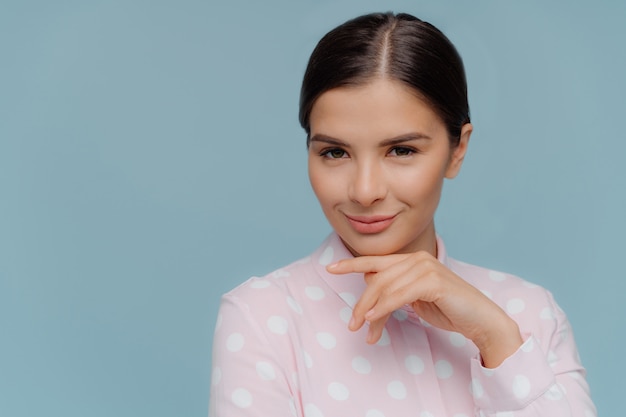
x,y
386,291
365,304
364,264
399,284
395,287
376,329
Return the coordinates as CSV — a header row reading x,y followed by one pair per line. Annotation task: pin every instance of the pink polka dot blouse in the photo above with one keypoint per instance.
x,y
282,348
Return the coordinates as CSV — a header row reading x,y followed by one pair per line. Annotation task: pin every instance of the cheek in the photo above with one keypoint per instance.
x,y
322,183
419,184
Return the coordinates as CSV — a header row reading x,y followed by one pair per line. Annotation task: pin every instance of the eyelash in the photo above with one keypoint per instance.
x,y
409,152
327,152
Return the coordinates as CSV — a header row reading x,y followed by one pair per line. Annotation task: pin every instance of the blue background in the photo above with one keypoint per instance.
x,y
151,159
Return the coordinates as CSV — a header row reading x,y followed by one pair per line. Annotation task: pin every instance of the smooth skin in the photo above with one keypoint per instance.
x,y
378,157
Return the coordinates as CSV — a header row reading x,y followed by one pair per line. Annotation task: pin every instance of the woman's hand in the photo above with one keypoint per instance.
x,y
436,294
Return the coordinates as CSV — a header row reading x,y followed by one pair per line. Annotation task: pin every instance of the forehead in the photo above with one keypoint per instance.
x,y
377,110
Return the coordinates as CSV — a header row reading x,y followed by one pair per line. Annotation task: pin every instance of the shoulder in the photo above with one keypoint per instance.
x,y
499,285
530,304
276,284
302,277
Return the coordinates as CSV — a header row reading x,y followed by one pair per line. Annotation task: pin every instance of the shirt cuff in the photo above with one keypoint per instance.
x,y
518,381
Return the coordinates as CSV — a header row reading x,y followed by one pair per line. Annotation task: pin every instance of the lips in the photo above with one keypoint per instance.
x,y
370,224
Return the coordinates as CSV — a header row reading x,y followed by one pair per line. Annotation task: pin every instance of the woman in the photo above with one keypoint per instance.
x,y
379,321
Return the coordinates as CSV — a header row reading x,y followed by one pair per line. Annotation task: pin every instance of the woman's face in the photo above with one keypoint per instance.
x,y
377,159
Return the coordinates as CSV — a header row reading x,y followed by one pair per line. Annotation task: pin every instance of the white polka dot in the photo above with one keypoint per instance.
x,y
327,256
529,345
521,387
217,376
349,298
426,414
345,314
259,283
374,413
457,339
235,342
476,388
292,408
529,284
497,276
443,369
314,293
361,365
575,375
241,398
295,380
308,360
552,358
414,364
396,390
384,338
554,393
515,306
338,391
564,334
505,414
280,273
547,314
326,340
311,410
589,413
294,305
481,413
425,323
278,325
265,371
400,315
487,294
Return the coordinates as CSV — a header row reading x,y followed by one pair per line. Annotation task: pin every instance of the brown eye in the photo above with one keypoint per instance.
x,y
334,154
401,151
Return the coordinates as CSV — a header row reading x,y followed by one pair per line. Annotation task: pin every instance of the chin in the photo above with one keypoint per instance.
x,y
369,246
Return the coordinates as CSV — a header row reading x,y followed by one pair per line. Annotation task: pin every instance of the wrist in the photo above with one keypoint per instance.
x,y
498,343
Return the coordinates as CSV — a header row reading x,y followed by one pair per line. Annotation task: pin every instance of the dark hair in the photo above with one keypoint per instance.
x,y
400,47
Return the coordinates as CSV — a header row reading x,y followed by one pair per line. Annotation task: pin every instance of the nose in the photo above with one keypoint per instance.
x,y
368,184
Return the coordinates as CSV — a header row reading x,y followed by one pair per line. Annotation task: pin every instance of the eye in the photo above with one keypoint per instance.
x,y
402,151
334,153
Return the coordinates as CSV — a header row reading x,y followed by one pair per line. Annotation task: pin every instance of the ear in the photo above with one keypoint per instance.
x,y
458,153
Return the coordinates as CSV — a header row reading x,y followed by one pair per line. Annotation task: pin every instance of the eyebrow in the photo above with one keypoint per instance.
x,y
408,137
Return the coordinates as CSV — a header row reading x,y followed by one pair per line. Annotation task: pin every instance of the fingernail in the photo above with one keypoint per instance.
x,y
332,266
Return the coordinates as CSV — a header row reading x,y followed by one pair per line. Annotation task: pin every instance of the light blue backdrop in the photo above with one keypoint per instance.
x,y
150,160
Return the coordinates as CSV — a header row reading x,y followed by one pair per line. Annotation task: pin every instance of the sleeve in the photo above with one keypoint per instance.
x,y
249,377
539,380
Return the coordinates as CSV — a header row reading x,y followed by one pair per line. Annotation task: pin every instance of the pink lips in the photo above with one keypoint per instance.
x,y
370,224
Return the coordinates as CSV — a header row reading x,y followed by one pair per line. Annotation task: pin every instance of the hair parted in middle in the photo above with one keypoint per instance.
x,y
399,47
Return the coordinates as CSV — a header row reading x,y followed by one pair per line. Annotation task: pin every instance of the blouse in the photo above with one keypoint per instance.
x,y
282,348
